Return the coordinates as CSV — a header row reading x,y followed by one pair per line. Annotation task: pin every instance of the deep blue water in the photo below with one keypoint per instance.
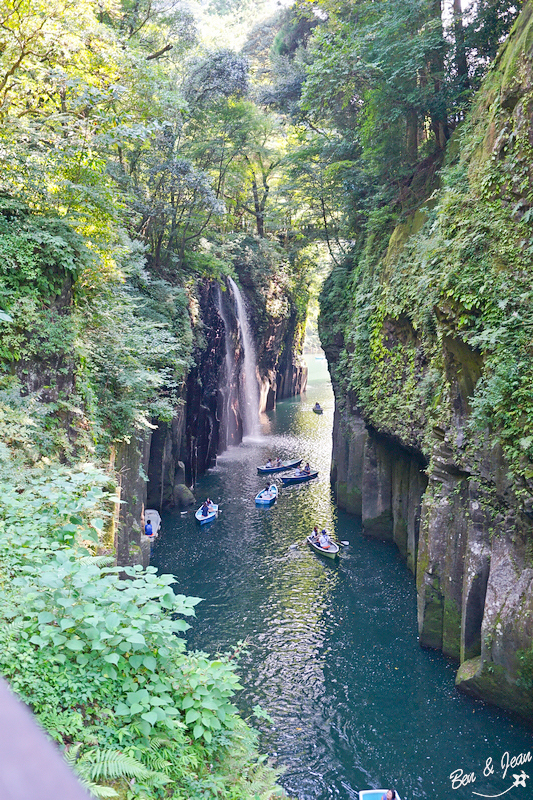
x,y
332,650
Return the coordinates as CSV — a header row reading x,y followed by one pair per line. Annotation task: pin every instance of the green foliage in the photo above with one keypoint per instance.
x,y
102,662
445,300
525,669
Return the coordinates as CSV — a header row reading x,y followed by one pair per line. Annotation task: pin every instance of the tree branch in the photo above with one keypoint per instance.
x,y
160,52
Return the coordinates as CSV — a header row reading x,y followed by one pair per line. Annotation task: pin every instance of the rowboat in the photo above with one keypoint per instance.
x,y
298,476
375,794
331,552
285,465
153,516
211,515
318,410
267,496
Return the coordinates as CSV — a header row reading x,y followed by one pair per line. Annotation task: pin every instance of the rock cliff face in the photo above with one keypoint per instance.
x,y
431,439
156,470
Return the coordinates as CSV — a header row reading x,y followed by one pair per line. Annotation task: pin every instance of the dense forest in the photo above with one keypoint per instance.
x,y
142,162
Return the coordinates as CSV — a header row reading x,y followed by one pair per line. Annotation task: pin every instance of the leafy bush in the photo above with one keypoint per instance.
x,y
102,662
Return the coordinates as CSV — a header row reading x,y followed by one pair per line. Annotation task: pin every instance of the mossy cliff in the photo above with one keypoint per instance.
x,y
428,333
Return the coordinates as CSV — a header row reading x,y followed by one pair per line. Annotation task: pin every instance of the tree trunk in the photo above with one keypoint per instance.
x,y
259,214
438,109
411,135
460,51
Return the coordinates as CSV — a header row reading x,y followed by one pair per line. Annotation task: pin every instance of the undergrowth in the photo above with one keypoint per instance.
x,y
101,660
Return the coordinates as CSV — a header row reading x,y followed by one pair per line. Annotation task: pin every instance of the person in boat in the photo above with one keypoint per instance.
x,y
317,406
205,507
307,469
266,490
315,535
324,541
268,464
148,528
278,462
389,795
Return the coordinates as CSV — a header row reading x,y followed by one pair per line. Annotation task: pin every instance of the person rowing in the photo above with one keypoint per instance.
x,y
324,541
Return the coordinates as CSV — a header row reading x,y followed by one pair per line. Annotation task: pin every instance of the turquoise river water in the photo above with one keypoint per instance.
x,y
332,655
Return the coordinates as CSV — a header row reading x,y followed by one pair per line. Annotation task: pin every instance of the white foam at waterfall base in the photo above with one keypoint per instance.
x,y
249,384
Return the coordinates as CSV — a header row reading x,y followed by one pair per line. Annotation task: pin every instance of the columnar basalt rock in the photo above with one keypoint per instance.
x,y
412,380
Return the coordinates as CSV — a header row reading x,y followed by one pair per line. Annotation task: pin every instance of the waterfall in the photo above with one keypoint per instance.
x,y
229,425
248,385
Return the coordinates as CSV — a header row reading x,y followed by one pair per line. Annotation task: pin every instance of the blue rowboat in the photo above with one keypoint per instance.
x,y
298,476
375,794
331,552
212,513
267,496
285,465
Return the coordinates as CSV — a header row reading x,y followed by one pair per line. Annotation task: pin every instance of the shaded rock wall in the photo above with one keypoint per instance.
x,y
430,442
378,480
130,464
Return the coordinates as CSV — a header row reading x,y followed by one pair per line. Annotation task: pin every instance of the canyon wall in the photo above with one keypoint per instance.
x,y
428,341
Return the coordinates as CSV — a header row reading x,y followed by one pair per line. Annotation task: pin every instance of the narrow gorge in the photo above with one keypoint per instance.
x,y
195,199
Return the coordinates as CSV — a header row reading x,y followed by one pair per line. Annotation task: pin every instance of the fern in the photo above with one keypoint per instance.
x,y
99,561
97,790
96,764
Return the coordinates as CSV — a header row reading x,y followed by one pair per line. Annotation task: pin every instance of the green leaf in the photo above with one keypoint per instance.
x,y
191,716
136,638
112,658
150,663
187,702
197,731
75,644
150,716
112,621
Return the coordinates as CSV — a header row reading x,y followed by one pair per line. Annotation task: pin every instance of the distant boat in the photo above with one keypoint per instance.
x,y
267,496
319,358
298,476
211,515
375,794
284,465
331,552
153,516
317,408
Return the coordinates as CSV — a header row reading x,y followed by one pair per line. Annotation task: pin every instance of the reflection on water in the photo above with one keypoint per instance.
x,y
332,647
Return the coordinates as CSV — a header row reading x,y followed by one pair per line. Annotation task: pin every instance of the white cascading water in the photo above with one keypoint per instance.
x,y
228,422
249,384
